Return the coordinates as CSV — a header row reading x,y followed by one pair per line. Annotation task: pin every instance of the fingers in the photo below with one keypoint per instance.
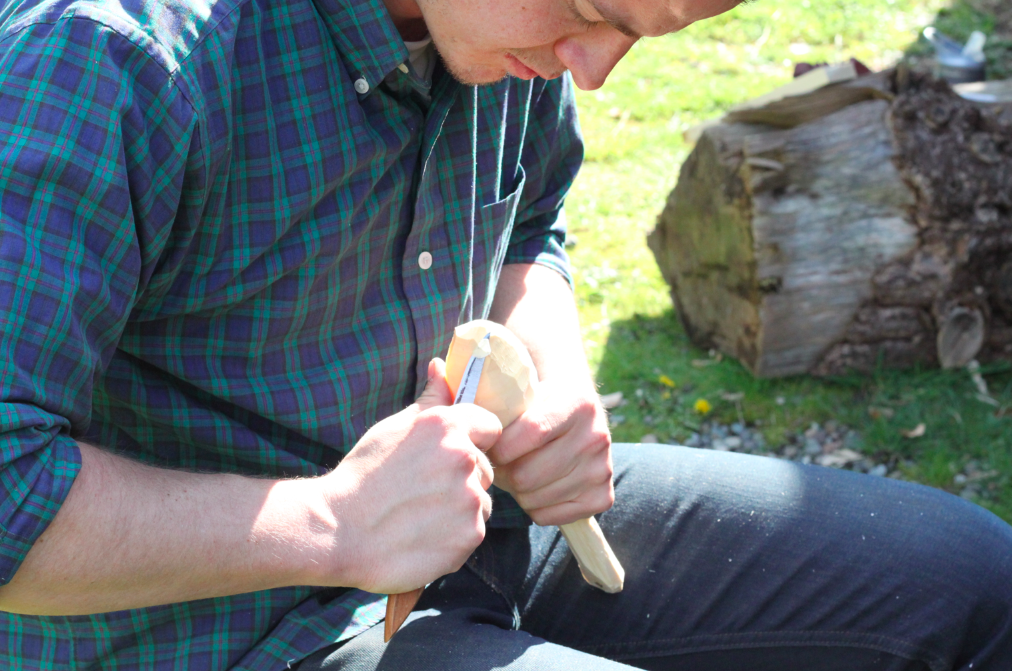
x,y
564,513
591,483
481,426
486,506
531,431
437,391
483,470
564,470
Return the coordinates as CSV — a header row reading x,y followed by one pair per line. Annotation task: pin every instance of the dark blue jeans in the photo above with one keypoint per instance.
x,y
733,562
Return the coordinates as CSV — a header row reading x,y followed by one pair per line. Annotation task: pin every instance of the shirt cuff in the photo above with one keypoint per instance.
x,y
38,465
542,240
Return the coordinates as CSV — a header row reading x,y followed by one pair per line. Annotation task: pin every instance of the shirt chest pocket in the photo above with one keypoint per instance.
x,y
494,226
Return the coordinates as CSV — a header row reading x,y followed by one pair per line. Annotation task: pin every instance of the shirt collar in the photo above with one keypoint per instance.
x,y
366,37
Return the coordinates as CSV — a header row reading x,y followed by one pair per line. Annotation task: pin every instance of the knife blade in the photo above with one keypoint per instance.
x,y
472,374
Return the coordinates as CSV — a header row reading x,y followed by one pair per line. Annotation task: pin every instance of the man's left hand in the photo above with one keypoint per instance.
x,y
555,459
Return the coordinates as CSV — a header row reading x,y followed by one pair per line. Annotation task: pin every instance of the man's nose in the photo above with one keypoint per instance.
x,y
590,56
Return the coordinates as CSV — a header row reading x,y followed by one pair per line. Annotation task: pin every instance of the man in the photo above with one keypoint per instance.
x,y
234,235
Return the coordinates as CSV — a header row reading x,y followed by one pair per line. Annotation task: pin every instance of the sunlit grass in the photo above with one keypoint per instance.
x,y
633,128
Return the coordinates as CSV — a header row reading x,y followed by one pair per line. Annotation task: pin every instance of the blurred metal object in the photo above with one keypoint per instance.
x,y
958,63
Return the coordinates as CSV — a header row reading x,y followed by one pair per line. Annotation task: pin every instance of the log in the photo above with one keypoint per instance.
x,y
877,230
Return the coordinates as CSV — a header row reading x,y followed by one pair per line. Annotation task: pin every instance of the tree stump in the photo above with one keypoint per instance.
x,y
878,232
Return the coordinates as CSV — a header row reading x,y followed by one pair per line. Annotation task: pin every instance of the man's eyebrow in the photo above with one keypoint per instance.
x,y
614,20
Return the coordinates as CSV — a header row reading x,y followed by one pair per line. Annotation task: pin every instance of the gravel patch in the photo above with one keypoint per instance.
x,y
832,444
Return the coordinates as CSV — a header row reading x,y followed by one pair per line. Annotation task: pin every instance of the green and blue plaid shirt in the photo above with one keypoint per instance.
x,y
216,218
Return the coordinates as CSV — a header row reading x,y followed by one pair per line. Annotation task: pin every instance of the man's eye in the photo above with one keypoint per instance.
x,y
584,21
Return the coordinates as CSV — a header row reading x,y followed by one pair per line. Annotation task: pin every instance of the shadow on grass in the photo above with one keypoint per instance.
x,y
663,378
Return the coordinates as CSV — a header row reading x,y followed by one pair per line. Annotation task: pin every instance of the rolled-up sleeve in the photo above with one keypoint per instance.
x,y
93,144
551,158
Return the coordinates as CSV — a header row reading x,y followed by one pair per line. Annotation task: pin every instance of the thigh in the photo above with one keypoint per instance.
x,y
460,625
732,557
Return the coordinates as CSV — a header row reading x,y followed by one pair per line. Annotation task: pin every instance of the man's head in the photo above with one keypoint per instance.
x,y
481,41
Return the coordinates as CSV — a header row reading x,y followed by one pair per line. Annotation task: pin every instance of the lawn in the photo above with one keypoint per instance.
x,y
633,128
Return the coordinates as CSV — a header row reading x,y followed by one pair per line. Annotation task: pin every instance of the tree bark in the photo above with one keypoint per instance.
x,y
881,231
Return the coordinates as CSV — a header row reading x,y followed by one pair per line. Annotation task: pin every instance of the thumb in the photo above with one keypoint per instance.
x,y
437,391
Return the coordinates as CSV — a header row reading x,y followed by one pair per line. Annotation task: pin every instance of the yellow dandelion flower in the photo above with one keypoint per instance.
x,y
666,381
665,395
702,406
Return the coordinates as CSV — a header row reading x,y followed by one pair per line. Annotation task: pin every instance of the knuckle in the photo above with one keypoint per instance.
x,y
538,430
472,539
434,419
602,472
522,480
587,406
474,500
603,500
600,438
461,461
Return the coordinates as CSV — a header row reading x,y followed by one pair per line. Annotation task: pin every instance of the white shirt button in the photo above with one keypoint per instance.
x,y
362,86
425,260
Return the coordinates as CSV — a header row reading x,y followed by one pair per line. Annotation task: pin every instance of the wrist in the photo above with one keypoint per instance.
x,y
310,530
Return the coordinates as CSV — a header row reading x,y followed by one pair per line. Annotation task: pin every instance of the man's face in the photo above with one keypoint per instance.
x,y
481,41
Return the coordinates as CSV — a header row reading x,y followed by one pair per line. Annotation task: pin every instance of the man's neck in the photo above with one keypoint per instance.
x,y
408,20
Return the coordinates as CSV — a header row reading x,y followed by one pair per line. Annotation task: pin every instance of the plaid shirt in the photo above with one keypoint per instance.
x,y
215,222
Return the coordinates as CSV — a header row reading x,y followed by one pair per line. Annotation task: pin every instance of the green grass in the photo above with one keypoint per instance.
x,y
633,128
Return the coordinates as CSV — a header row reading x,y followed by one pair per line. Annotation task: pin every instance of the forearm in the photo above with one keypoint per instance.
x,y
537,304
556,458
131,535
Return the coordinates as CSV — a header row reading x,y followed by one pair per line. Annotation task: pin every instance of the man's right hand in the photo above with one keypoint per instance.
x,y
409,501
406,506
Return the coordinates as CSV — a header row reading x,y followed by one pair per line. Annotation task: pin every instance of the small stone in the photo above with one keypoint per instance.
x,y
695,440
839,459
780,400
790,451
879,471
831,446
719,445
615,420
613,400
732,442
812,447
738,428
649,438
960,479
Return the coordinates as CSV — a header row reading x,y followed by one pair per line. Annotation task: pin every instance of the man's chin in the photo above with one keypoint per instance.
x,y
472,76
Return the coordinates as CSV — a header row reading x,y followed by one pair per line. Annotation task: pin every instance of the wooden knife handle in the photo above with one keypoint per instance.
x,y
508,380
399,606
598,563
